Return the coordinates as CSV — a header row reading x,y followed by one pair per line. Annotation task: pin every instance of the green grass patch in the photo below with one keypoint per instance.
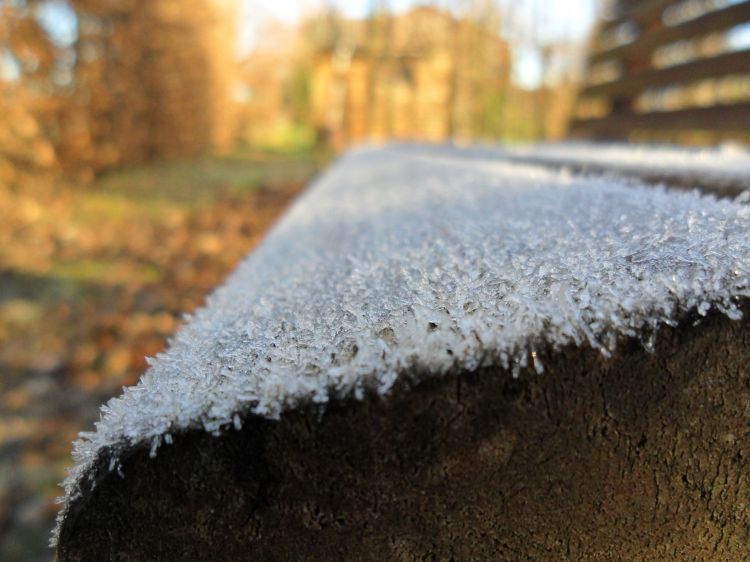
x,y
152,191
202,181
104,272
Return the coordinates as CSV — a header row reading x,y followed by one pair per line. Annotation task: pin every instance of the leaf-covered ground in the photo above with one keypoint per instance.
x,y
94,279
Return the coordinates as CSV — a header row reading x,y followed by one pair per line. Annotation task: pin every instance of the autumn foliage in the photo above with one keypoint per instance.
x,y
143,79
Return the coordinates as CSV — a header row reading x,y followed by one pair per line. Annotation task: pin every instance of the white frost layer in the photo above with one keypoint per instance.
x,y
719,165
396,260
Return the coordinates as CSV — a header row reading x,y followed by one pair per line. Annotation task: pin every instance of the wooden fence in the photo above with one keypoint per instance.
x,y
674,68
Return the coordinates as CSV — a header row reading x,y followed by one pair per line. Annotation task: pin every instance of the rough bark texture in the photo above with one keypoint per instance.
x,y
642,456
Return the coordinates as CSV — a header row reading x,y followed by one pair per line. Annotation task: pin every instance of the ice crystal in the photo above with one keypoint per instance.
x,y
398,260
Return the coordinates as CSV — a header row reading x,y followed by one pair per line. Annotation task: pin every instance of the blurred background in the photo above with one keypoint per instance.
x,y
146,145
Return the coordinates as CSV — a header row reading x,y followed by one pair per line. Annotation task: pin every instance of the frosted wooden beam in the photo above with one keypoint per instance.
x,y
434,355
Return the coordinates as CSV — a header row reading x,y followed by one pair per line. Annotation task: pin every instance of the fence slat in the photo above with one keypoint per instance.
x,y
713,67
730,117
640,13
